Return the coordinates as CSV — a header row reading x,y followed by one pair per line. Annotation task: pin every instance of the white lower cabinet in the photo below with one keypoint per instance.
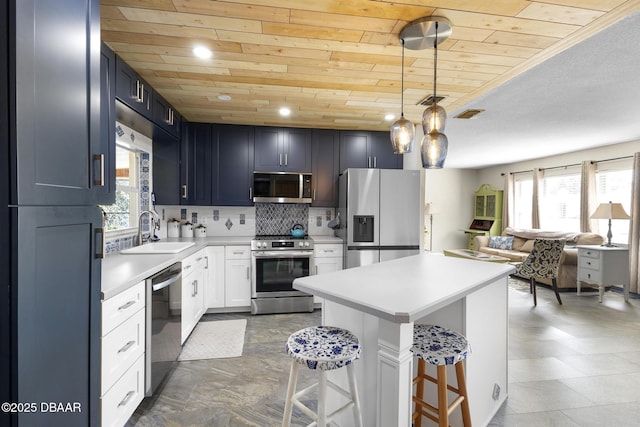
x,y
327,258
193,290
237,276
214,291
123,344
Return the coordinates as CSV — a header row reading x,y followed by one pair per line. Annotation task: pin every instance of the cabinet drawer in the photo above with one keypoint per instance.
x,y
588,253
328,250
589,263
121,347
192,262
124,397
237,252
591,276
122,306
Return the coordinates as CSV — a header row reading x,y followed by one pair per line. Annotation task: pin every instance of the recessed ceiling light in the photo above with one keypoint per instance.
x,y
389,117
224,97
202,52
285,112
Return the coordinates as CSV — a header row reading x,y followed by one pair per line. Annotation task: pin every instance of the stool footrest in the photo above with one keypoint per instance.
x,y
309,412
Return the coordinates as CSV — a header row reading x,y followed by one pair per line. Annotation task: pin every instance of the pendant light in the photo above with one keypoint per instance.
x,y
426,33
402,131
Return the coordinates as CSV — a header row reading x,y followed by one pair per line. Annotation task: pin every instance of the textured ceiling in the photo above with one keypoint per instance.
x,y
552,76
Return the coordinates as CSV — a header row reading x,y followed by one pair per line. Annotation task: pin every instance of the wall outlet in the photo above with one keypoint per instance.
x,y
318,221
242,220
216,214
496,392
328,215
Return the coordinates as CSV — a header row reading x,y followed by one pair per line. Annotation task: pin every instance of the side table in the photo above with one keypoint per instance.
x,y
603,265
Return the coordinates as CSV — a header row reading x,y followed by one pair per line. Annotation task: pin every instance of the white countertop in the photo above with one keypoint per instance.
x,y
120,272
405,289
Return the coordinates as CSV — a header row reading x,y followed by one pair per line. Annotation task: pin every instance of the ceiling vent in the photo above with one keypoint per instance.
x,y
429,100
467,114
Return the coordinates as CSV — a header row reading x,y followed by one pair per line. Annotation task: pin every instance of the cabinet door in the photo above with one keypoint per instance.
x,y
57,107
233,165
56,302
133,90
107,161
326,164
166,168
328,265
196,165
214,292
381,151
353,150
238,283
296,150
165,116
268,155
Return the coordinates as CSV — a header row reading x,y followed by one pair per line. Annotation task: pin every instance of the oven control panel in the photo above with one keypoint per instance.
x,y
290,244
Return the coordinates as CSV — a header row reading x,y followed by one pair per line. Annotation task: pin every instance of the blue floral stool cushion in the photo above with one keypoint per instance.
x,y
438,345
323,347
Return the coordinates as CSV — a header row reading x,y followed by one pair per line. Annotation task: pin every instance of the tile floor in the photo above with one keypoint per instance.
x,y
572,365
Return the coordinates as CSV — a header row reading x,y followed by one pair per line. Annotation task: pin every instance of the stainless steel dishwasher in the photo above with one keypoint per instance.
x,y
163,326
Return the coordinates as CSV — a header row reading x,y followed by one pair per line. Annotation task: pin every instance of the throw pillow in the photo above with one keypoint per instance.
x,y
501,242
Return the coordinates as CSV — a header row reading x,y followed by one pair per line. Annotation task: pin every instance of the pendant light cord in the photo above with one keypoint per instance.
x,y
402,84
435,67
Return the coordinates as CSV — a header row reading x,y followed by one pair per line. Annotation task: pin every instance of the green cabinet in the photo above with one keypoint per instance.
x,y
487,214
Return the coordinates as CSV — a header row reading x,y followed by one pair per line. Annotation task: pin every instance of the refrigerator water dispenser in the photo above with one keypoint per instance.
x,y
363,228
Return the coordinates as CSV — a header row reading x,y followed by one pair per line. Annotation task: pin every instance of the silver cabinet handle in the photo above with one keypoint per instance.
x,y
126,347
100,159
126,399
184,192
194,288
139,91
186,267
327,251
99,243
250,193
248,274
375,161
368,161
169,119
286,159
280,159
316,270
238,252
126,305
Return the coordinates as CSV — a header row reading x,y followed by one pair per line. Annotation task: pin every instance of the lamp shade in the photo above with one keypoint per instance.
x,y
433,118
433,150
402,132
610,211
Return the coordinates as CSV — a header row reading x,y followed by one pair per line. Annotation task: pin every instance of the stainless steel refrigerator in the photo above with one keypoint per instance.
x,y
379,215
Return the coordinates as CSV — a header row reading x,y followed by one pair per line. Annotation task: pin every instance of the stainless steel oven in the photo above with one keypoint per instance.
x,y
276,262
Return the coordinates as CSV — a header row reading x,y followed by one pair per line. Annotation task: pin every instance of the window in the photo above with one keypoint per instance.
x,y
613,183
560,200
123,213
523,195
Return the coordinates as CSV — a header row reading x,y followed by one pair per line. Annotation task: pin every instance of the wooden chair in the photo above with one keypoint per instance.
x,y
542,263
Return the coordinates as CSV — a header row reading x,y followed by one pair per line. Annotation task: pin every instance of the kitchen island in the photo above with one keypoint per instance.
x,y
380,304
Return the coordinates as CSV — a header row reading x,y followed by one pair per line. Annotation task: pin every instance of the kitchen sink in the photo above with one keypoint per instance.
x,y
158,248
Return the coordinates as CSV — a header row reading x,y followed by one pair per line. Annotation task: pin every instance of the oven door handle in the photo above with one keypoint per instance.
x,y
282,254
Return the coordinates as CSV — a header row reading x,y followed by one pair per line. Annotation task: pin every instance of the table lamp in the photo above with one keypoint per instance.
x,y
430,210
610,211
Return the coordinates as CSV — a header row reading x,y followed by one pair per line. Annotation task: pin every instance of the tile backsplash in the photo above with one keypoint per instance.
x,y
263,218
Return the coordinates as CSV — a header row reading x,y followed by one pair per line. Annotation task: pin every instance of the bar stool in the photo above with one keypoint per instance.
x,y
324,348
441,347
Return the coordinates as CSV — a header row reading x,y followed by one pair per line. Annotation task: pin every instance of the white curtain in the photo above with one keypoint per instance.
x,y
535,207
588,197
634,227
507,201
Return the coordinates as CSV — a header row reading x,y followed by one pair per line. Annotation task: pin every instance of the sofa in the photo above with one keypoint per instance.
x,y
516,244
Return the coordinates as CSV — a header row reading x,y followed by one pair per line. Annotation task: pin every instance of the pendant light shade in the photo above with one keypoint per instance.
x,y
426,33
402,130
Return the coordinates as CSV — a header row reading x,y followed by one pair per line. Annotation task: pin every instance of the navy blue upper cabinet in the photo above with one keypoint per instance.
x,y
196,164
166,168
107,192
132,90
165,116
233,154
282,149
360,149
57,126
326,159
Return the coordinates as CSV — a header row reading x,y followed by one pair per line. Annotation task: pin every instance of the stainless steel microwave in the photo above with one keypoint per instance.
x,y
282,187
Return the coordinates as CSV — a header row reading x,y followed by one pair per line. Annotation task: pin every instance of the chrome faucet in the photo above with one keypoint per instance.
x,y
155,222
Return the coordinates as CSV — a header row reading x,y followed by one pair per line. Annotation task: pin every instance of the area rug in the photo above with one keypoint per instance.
x,y
215,340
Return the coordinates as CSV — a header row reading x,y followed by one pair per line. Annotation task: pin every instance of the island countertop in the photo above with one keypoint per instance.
x,y
405,289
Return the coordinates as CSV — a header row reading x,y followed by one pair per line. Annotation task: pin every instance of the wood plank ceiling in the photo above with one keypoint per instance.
x,y
337,63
